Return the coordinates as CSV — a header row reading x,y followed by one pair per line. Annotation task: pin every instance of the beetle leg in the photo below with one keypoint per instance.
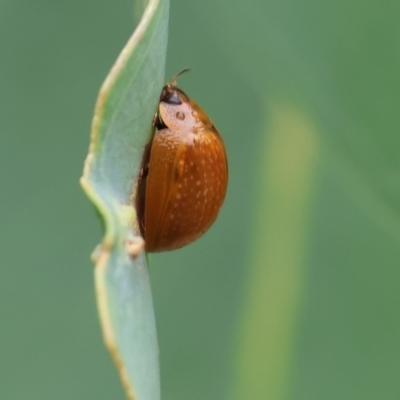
x,y
144,172
142,227
156,120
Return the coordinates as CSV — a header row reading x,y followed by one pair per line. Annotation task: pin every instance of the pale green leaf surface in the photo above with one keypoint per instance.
x,y
122,126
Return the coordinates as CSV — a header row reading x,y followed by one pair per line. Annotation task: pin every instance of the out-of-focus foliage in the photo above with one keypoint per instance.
x,y
308,256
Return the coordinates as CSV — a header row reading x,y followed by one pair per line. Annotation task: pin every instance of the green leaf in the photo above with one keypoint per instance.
x,y
122,126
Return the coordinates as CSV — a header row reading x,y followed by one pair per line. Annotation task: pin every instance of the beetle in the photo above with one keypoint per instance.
x,y
184,179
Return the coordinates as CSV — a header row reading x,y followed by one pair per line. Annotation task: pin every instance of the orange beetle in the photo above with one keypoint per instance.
x,y
185,176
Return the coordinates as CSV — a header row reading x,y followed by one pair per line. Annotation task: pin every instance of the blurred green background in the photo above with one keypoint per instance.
x,y
298,297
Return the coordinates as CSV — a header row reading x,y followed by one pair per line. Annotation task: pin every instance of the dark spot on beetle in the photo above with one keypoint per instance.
x,y
173,95
172,99
180,115
177,174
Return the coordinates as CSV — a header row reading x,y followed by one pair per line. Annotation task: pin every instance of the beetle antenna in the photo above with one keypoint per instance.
x,y
173,80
